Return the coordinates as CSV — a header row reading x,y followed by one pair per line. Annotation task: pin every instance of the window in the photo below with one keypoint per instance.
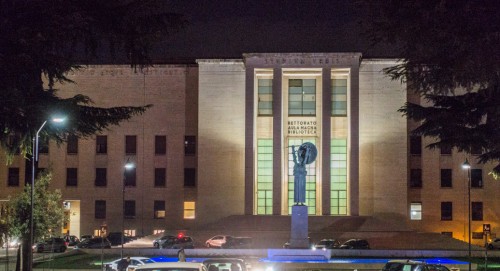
x,y
415,145
160,177
446,177
302,97
101,144
445,150
130,177
415,178
446,211
159,209
13,178
100,177
265,96
416,211
13,140
72,144
71,177
190,145
100,209
160,145
339,97
190,177
43,145
129,209
130,144
338,176
264,176
477,211
189,210
476,178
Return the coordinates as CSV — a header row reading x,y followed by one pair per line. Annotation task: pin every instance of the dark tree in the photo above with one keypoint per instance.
x,y
449,55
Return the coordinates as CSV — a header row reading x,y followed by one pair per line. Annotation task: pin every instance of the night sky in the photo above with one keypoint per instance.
x,y
228,28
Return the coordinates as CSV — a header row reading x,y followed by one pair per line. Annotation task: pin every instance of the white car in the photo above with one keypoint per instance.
x,y
494,244
169,266
134,263
217,241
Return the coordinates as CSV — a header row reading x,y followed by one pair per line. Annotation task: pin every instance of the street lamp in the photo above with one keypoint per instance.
x,y
466,165
128,166
34,159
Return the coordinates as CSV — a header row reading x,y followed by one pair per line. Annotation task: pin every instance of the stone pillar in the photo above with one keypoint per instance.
x,y
249,141
300,227
277,141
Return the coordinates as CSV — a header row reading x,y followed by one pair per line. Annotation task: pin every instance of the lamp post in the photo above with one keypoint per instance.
x,y
128,165
34,159
466,165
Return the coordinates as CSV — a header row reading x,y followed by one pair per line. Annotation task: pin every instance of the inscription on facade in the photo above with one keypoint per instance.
x,y
302,127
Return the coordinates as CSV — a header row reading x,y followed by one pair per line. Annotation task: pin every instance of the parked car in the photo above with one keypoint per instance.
x,y
71,240
86,236
157,241
326,244
134,263
238,242
217,241
355,244
116,238
177,242
437,267
494,244
53,244
170,266
225,264
404,265
96,242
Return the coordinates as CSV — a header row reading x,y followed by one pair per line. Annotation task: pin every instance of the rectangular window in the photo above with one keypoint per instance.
x,y
71,177
416,178
100,209
477,211
302,97
446,211
265,96
160,145
189,210
14,141
159,209
446,177
189,177
130,176
72,144
43,145
13,178
190,145
101,177
416,211
338,176
129,209
446,150
130,144
265,177
339,97
415,145
476,178
160,177
101,144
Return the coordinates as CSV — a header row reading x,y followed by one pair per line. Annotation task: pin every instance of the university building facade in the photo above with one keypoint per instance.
x,y
217,143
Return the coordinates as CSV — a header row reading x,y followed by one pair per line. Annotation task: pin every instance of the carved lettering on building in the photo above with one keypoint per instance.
x,y
302,127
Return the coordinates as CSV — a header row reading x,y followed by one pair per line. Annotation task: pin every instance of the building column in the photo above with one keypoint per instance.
x,y
354,143
326,134
249,141
277,140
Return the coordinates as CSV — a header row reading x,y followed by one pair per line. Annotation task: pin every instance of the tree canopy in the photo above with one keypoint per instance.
x,y
48,38
449,55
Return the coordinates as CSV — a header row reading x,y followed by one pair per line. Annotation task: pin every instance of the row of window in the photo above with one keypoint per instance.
x,y
101,180
416,147
130,209
447,211
446,178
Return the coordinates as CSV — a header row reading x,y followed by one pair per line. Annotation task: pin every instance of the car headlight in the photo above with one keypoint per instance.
x,y
313,248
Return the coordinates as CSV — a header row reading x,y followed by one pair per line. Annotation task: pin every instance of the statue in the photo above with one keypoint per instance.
x,y
306,154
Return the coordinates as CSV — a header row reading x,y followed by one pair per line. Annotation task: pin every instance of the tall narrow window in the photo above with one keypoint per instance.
x,y
338,176
72,144
160,177
265,177
302,97
100,209
339,97
476,179
415,178
190,145
101,144
189,210
416,211
265,96
129,209
446,180
159,209
189,177
477,211
71,177
13,178
130,177
415,145
446,211
101,177
130,144
43,145
160,145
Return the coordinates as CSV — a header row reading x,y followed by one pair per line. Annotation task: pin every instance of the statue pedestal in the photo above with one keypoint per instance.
x,y
300,229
